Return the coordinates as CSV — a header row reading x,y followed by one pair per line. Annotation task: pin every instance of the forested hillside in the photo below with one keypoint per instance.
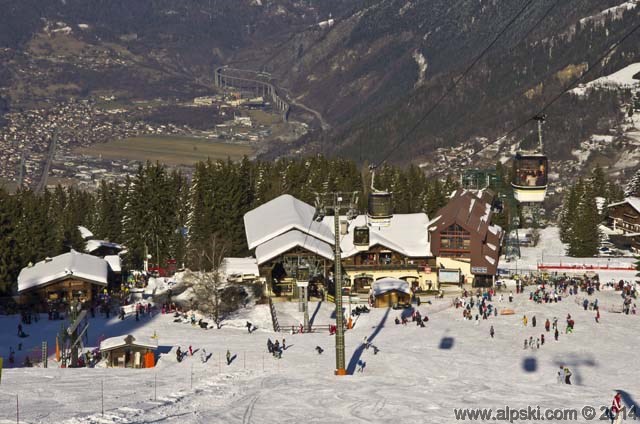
x,y
161,209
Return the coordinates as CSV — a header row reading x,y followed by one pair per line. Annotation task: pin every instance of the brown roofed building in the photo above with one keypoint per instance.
x,y
463,238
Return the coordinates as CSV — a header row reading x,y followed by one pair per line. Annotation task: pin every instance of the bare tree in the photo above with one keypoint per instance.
x,y
207,281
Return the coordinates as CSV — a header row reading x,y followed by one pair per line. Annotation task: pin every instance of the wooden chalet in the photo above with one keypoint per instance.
x,y
464,240
54,282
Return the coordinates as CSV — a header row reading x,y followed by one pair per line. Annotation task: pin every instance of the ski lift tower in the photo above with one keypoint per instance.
x,y
337,201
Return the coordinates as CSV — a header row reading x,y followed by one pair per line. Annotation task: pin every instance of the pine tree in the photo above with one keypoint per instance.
x,y
633,187
584,234
9,260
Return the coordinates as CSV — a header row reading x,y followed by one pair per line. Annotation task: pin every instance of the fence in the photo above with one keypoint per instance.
x,y
56,394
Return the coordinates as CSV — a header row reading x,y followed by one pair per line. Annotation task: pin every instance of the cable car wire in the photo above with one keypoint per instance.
x,y
575,82
455,83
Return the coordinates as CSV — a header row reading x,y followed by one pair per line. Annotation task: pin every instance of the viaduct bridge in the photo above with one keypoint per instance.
x,y
226,77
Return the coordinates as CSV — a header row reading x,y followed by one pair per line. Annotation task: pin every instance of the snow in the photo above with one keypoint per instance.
x,y
93,245
419,374
79,264
633,201
406,234
115,342
84,232
273,231
240,266
114,263
287,241
384,285
620,79
421,61
280,215
550,253
614,13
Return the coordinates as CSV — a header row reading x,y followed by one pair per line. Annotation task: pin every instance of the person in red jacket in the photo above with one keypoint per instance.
x,y
616,405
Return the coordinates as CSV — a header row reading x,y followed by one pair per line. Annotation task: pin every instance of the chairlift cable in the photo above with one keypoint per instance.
x,y
455,83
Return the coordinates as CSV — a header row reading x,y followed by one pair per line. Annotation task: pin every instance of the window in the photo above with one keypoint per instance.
x,y
530,171
455,241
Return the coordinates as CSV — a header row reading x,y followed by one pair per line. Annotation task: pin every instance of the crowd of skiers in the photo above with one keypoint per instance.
x,y
416,317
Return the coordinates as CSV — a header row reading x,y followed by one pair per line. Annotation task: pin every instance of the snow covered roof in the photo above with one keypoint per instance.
x,y
406,234
93,245
84,232
114,262
79,265
240,266
120,341
280,215
287,241
384,285
284,223
633,201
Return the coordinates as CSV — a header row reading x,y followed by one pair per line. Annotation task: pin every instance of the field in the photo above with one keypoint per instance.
x,y
170,150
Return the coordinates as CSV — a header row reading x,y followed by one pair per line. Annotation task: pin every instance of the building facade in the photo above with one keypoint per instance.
x,y
291,246
467,246
55,282
623,218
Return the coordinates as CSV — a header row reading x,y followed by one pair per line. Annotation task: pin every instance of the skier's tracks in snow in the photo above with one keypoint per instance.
x,y
248,413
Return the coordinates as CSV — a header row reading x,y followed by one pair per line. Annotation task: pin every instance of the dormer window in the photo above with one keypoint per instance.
x,y
361,236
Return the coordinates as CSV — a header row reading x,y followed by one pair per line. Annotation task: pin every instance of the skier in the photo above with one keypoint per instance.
x,y
248,325
284,344
510,297
361,365
555,335
228,357
547,324
319,350
269,345
190,350
533,321
179,354
524,320
559,377
203,355
19,330
597,314
585,304
526,343
614,411
492,331
567,375
542,339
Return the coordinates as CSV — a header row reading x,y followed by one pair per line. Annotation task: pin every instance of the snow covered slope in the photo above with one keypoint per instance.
x,y
418,376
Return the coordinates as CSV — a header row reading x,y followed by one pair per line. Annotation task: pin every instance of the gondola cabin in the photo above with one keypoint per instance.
x,y
380,208
530,172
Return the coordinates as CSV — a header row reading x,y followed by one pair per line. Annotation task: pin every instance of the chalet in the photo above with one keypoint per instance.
x,y
289,245
623,218
55,282
399,250
466,244
128,352
286,238
390,292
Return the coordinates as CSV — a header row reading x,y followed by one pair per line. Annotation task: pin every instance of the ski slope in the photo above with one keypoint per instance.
x,y
419,375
